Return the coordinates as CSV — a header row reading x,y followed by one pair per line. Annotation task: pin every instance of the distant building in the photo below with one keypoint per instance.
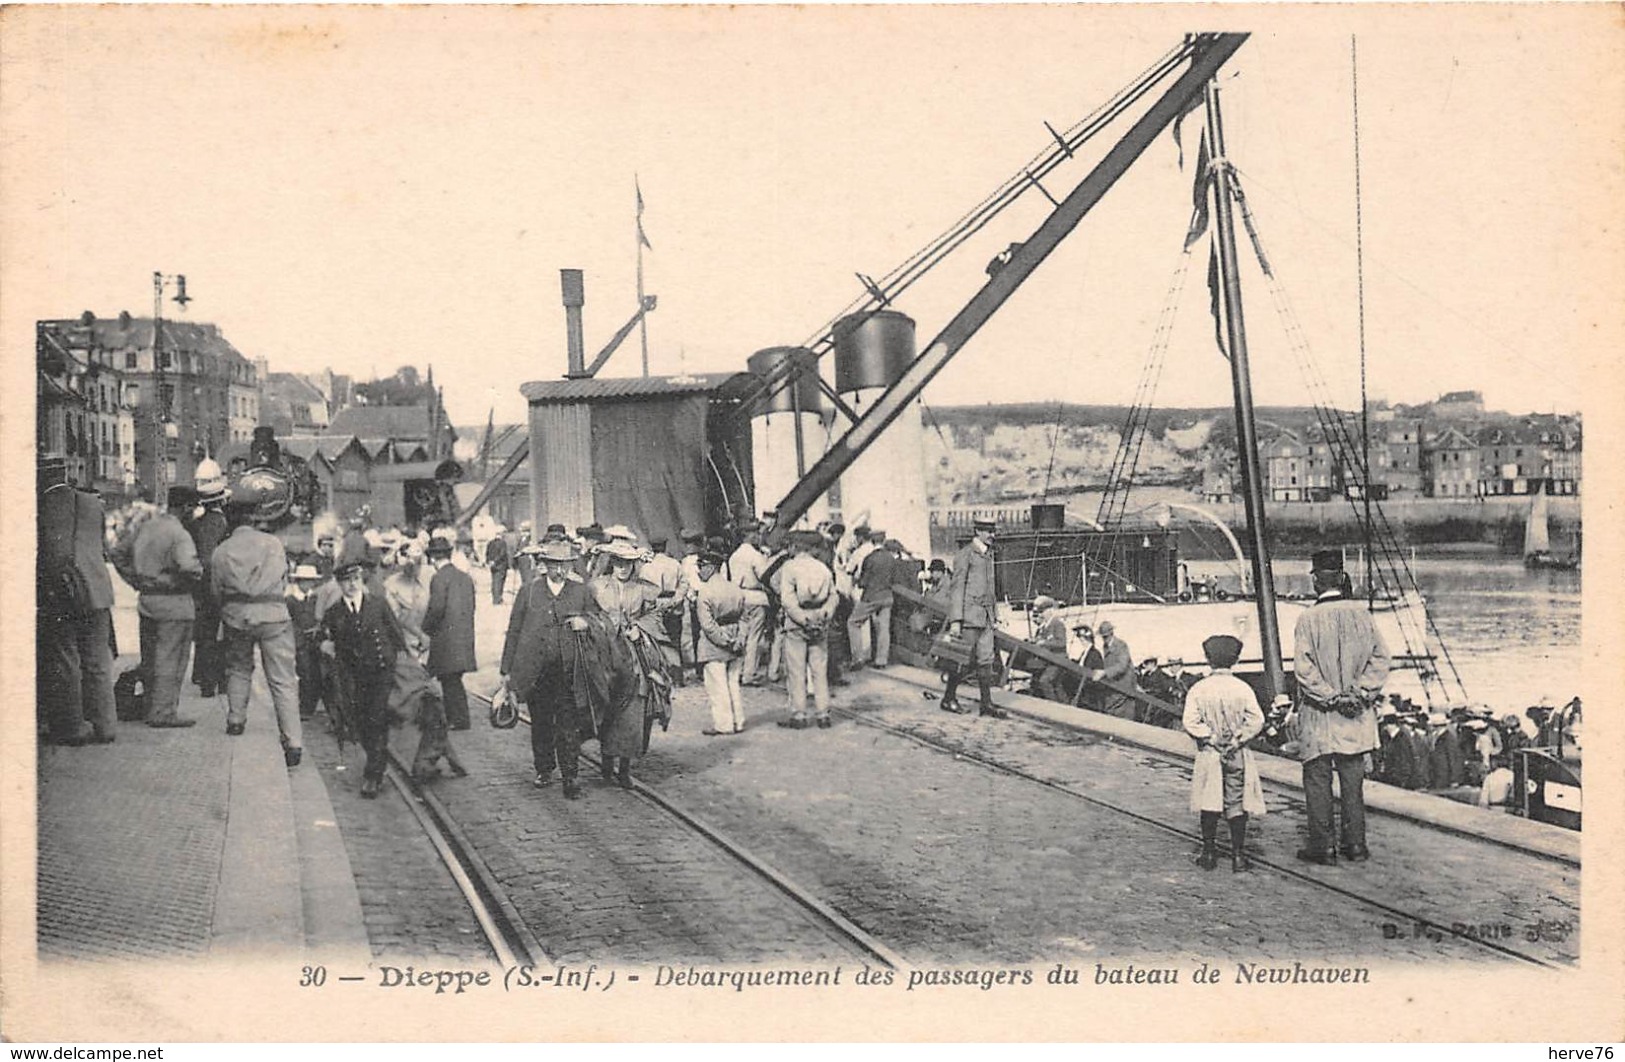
x,y
1462,404
1284,468
1322,471
406,429
294,404
1510,461
194,396
1218,484
1450,465
1403,442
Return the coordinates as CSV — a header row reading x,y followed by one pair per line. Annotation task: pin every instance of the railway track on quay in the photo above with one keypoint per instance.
x,y
1415,921
834,847
513,941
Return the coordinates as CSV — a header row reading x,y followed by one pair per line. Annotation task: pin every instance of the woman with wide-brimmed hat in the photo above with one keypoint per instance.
x,y
634,607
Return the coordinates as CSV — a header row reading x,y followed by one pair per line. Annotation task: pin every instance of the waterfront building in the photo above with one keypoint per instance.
x,y
1510,461
1284,472
1450,465
1402,438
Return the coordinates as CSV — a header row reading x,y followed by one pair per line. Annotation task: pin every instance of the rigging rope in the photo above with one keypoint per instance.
x,y
1384,557
1359,272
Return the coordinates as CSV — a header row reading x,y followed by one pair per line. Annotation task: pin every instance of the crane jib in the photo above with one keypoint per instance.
x,y
1211,53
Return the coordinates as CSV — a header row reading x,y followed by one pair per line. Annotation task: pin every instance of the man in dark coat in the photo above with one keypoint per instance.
x,y
538,661
208,531
973,613
365,640
449,623
74,666
496,558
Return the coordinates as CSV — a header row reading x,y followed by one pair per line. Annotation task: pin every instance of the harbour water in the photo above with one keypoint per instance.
x,y
1513,633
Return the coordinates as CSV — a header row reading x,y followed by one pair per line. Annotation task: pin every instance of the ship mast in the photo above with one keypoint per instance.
x,y
1269,632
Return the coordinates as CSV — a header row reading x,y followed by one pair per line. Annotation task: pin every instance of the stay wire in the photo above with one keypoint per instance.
x,y
1385,552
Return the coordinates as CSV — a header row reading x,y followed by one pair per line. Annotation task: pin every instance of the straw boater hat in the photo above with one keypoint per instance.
x,y
307,571
621,533
558,549
620,549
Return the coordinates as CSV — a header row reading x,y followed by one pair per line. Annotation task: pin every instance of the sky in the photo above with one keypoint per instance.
x,y
365,188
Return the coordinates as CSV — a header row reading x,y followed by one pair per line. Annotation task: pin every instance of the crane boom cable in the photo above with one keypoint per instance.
x,y
926,258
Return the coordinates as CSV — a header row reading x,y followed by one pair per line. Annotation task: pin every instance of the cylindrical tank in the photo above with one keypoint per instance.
x,y
795,408
887,482
872,350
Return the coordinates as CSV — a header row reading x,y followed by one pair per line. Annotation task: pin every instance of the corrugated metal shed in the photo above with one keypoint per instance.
x,y
602,388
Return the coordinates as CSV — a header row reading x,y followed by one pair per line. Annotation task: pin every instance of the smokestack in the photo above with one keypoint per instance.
x,y
575,297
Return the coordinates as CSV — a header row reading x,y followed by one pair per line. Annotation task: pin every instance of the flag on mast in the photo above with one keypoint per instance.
x,y
642,237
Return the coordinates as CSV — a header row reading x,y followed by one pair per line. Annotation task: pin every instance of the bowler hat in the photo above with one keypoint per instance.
x,y
1222,650
440,547
1326,560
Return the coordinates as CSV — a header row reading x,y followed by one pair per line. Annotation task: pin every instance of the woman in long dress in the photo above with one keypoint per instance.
x,y
634,606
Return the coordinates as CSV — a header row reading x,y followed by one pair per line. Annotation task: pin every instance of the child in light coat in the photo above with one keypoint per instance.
x,y
1222,715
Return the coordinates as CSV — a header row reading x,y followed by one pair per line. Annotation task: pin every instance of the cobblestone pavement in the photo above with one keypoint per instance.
x,y
1445,878
411,907
945,860
123,877
612,877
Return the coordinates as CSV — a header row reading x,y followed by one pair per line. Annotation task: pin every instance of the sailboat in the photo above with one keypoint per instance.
x,y
1537,545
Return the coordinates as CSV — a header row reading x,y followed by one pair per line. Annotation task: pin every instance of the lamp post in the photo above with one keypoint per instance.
x,y
165,430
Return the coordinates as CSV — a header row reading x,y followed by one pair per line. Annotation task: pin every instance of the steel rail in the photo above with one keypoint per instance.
x,y
832,920
510,939
989,763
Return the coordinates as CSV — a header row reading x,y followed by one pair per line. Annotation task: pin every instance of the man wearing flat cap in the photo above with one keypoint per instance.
x,y
1341,664
1221,716
973,612
538,659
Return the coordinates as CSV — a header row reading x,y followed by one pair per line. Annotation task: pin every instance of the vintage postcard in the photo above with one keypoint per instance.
x,y
797,523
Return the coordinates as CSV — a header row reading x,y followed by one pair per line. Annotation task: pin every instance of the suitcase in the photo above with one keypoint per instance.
x,y
951,652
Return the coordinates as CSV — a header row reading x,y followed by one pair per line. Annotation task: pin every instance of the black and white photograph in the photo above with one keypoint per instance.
x,y
797,523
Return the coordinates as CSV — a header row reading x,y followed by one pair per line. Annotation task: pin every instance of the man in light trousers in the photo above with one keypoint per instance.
x,y
807,600
249,573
